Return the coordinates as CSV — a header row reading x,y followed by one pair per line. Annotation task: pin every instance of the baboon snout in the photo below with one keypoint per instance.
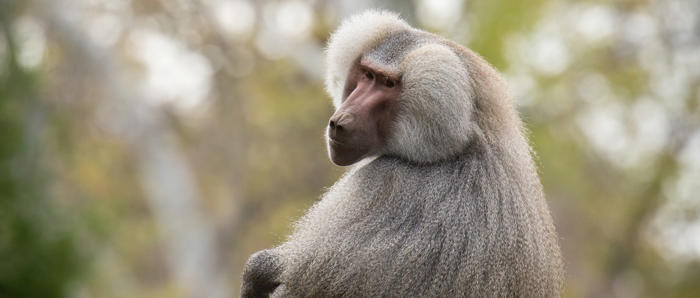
x,y
339,124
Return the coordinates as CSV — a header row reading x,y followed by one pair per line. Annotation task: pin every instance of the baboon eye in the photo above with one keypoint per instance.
x,y
369,75
389,83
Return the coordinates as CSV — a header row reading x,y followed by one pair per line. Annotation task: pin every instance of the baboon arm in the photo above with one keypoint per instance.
x,y
261,274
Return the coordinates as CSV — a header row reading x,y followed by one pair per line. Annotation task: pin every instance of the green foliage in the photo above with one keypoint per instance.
x,y
38,253
492,21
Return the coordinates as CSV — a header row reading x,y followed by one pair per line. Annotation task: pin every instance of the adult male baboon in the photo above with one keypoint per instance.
x,y
448,202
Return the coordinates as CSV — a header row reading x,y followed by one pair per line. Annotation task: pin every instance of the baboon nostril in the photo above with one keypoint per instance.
x,y
334,125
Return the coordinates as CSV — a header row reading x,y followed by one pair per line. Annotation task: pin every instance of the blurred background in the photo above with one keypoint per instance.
x,y
148,147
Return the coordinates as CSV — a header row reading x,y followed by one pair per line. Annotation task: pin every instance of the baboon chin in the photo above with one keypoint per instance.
x,y
451,205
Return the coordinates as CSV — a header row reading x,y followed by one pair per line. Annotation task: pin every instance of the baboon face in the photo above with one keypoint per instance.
x,y
408,95
363,122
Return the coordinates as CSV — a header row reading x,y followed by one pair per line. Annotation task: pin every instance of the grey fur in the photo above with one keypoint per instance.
x,y
452,207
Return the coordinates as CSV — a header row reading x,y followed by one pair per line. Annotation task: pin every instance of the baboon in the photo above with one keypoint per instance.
x,y
446,201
